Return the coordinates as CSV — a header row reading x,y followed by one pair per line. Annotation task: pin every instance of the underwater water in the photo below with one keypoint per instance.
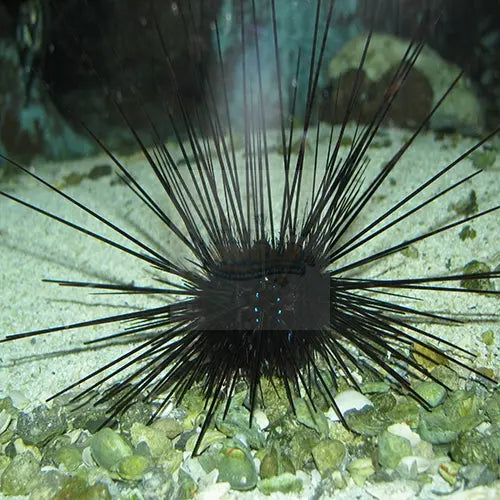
x,y
306,455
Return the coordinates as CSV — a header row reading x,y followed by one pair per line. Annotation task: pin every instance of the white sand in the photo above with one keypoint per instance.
x,y
33,247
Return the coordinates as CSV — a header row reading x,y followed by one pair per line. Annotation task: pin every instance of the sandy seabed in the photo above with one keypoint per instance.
x,y
33,247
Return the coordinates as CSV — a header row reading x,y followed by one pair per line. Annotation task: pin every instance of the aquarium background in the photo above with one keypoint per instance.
x,y
64,62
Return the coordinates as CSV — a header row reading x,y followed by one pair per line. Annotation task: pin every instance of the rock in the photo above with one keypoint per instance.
x,y
426,83
40,425
432,392
274,463
157,443
449,471
369,422
361,469
69,456
20,476
236,467
474,266
33,128
235,424
132,468
76,487
285,483
109,448
329,454
477,475
410,467
391,449
473,448
436,428
139,412
307,416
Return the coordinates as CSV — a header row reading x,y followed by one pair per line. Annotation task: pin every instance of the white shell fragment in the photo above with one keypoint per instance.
x,y
5,419
346,401
404,431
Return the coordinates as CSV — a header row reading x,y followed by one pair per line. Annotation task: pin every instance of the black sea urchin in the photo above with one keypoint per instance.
x,y
269,283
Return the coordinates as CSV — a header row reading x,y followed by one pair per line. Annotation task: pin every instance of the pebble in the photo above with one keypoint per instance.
x,y
436,428
285,483
361,469
20,476
409,467
391,449
236,467
108,448
328,454
432,392
40,425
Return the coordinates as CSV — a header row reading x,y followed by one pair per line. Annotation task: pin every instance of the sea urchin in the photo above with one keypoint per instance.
x,y
269,284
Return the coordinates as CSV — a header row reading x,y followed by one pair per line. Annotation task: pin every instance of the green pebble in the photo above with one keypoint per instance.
x,y
492,407
446,375
4,462
157,443
467,233
375,388
432,392
69,456
383,401
436,428
211,436
448,471
465,410
100,171
466,206
406,410
132,468
108,448
48,485
139,412
236,424
285,483
361,469
473,267
91,419
236,466
391,449
410,252
488,337
41,425
368,422
307,416
295,440
329,454
186,485
484,159
473,448
274,463
72,179
75,488
21,475
6,404
193,400
170,427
